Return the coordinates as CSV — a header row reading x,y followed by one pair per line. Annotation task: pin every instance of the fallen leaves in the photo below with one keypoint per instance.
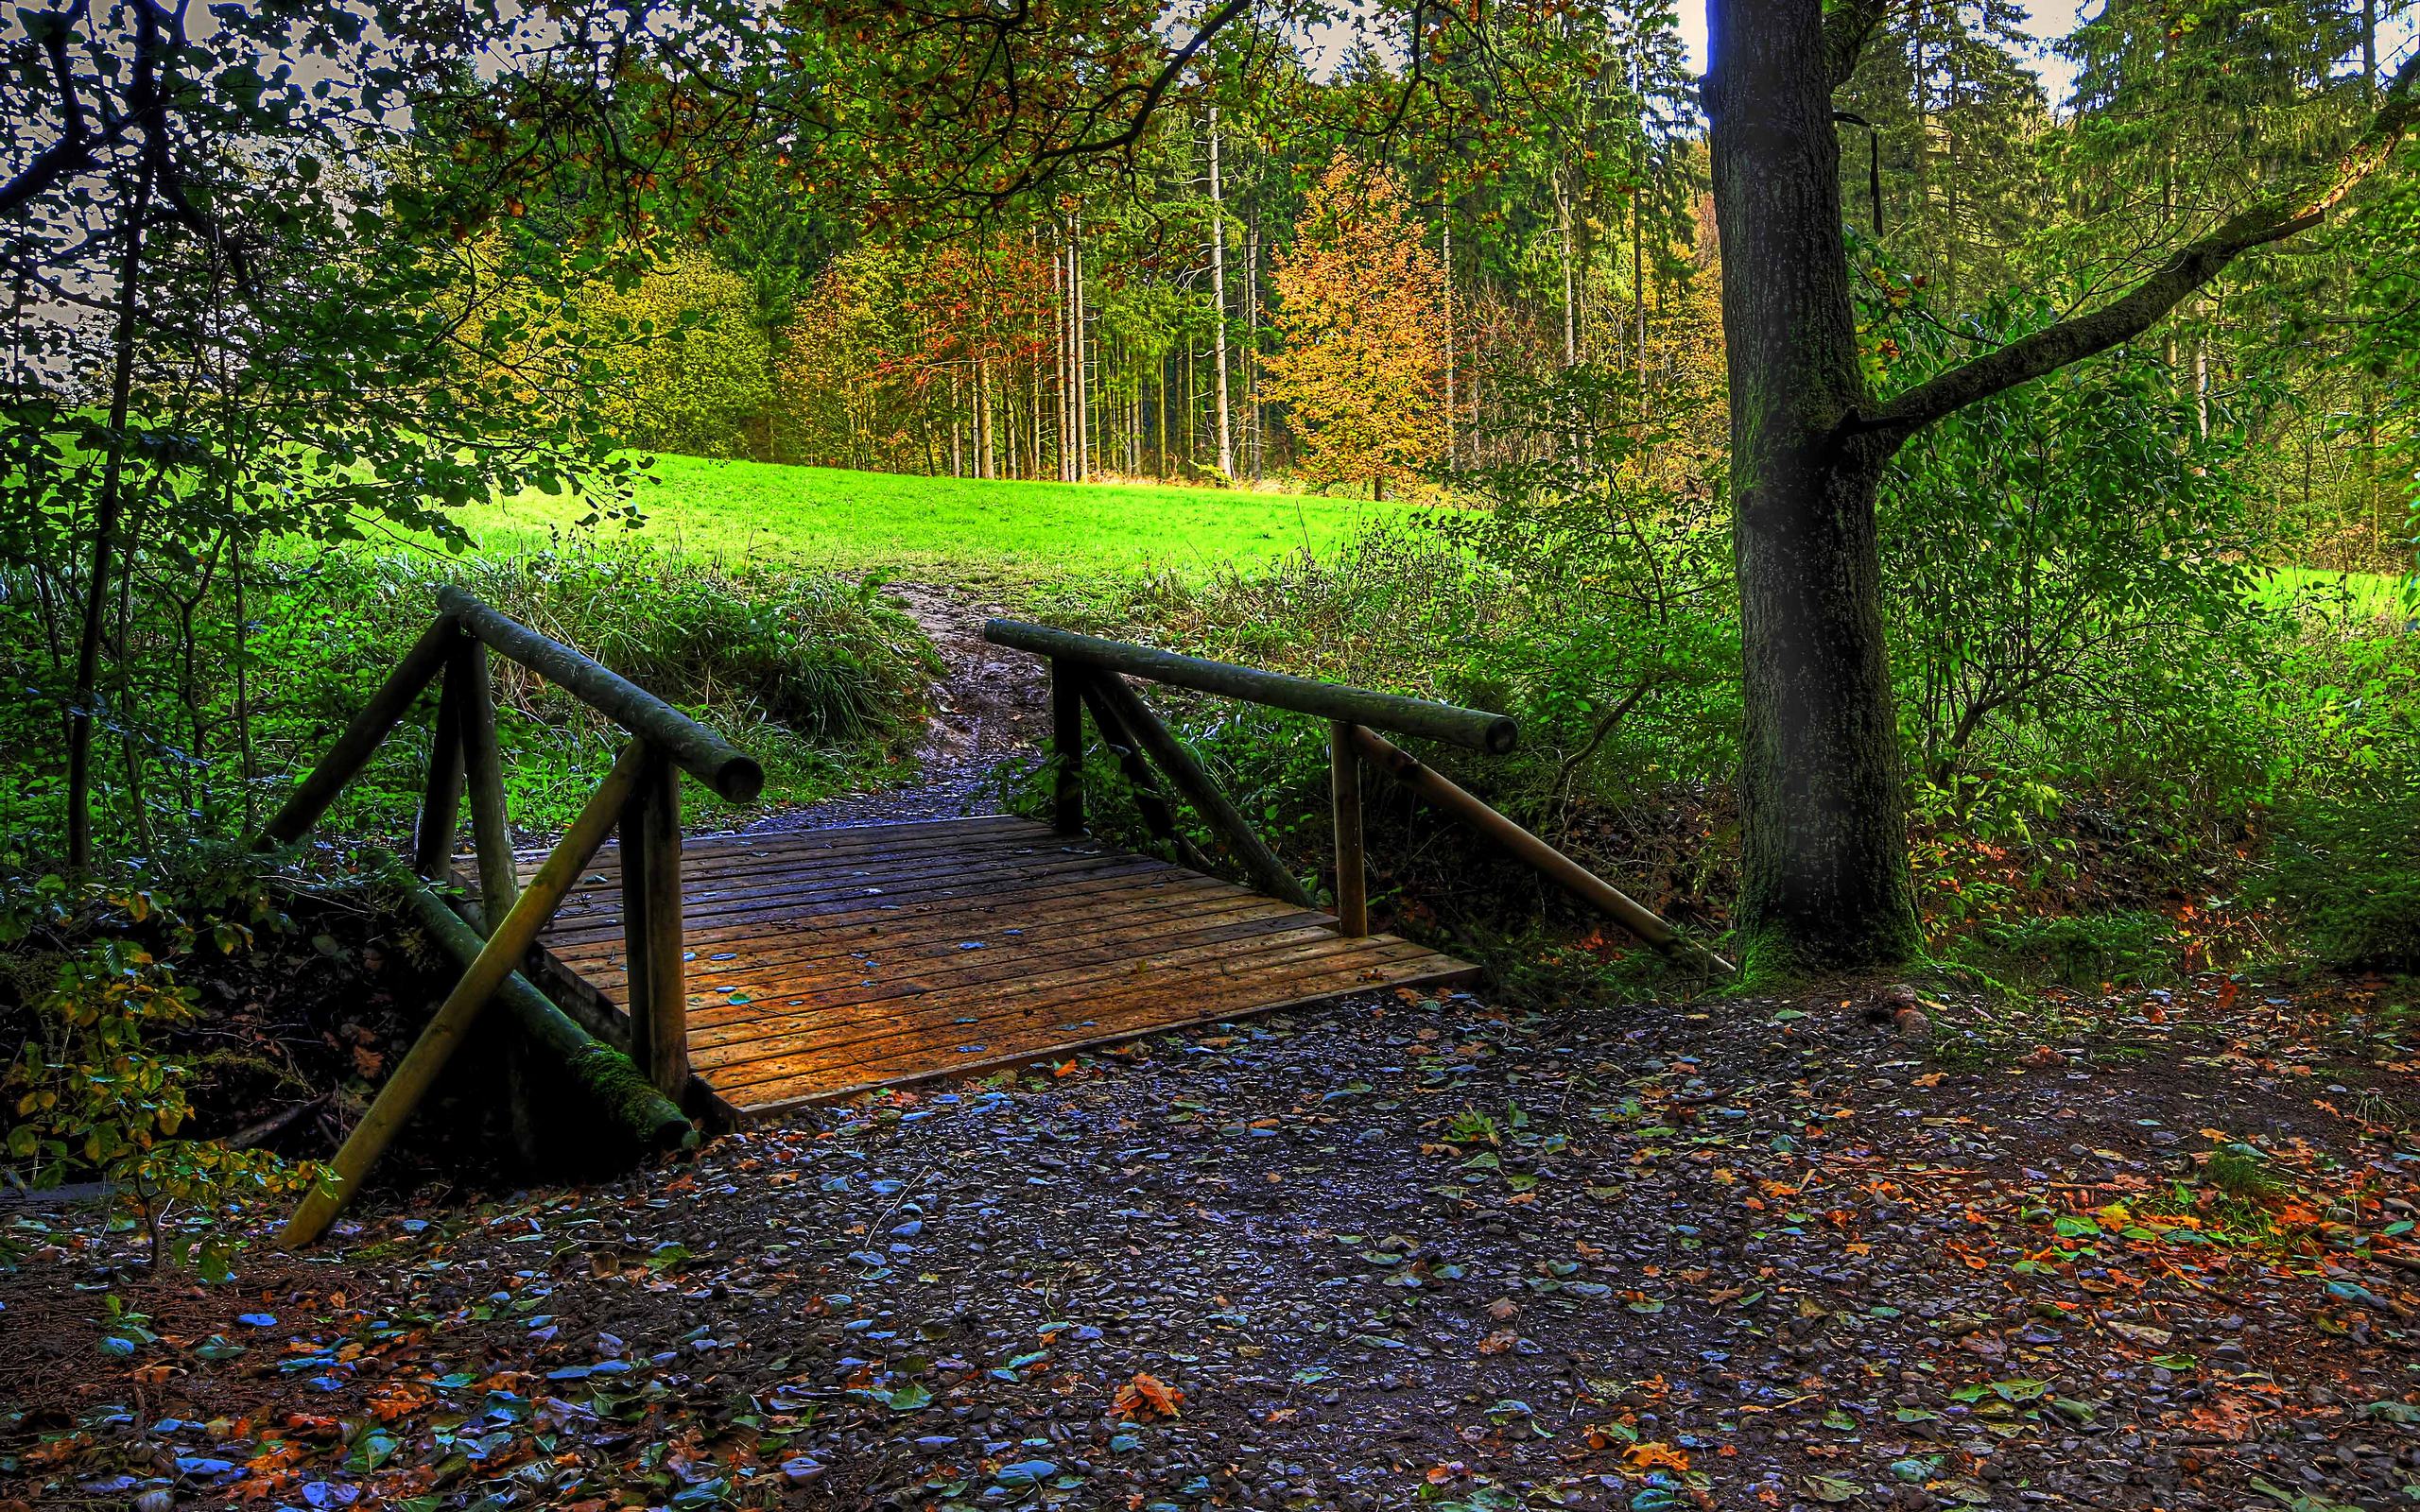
x,y
1652,1454
1148,1396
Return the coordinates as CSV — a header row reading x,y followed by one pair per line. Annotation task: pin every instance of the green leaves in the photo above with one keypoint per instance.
x,y
98,1098
2018,1389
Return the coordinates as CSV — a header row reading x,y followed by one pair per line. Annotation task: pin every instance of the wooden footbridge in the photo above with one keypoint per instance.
x,y
735,976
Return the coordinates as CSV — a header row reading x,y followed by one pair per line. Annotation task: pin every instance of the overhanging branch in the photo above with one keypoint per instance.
x,y
1146,97
2138,310
79,147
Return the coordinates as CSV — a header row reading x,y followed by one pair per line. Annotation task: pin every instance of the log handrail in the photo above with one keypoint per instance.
x,y
639,797
508,939
1087,671
1423,717
703,754
1557,868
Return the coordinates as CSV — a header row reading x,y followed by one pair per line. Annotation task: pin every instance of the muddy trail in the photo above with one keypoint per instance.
x,y
991,705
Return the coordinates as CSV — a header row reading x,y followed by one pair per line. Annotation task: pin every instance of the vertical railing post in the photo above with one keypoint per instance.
x,y
440,803
510,935
483,764
1067,746
1344,791
651,931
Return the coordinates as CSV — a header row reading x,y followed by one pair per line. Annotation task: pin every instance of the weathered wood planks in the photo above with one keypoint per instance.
x,y
824,962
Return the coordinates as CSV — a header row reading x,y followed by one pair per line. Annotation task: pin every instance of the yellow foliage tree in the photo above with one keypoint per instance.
x,y
692,371
1362,308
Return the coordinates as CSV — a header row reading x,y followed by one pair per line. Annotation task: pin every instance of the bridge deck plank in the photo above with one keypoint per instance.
x,y
825,962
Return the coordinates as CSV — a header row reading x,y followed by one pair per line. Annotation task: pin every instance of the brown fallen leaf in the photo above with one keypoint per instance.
x,y
1148,1396
1651,1454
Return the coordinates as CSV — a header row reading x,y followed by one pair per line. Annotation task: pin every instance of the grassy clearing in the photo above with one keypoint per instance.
x,y
2357,595
829,519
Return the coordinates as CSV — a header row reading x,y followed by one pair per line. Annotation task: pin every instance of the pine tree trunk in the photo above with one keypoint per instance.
x,y
1570,274
1824,877
2370,53
1066,359
1254,420
1076,331
1445,216
1219,301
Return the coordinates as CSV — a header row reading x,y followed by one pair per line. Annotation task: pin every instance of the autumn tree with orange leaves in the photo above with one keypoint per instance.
x,y
1361,311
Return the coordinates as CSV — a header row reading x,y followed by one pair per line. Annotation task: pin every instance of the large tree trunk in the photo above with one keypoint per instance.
x,y
1824,867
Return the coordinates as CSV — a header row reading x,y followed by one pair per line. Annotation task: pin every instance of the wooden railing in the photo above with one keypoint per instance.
x,y
640,796
1089,673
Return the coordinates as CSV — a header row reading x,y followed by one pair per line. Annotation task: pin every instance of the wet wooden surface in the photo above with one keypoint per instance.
x,y
823,962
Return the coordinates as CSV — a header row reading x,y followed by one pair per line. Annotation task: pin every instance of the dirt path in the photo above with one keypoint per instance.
x,y
991,705
1761,1253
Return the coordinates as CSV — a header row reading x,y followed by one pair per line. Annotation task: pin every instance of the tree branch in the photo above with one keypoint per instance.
x,y
1846,28
1146,95
2138,310
78,147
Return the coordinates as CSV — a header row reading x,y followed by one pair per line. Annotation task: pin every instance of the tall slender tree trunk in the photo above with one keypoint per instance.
x,y
1446,219
1824,879
1219,301
249,757
982,423
2370,53
1571,271
2203,309
1252,345
1638,217
1639,278
1082,396
105,529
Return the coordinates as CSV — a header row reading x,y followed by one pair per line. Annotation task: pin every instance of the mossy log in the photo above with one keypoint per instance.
x,y
652,1121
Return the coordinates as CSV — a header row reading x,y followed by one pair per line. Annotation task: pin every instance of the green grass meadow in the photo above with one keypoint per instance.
x,y
830,519
833,519
2355,595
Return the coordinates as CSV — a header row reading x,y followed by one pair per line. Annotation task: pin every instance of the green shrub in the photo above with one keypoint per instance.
x,y
2346,871
2129,947
91,1091
2133,947
817,677
2072,594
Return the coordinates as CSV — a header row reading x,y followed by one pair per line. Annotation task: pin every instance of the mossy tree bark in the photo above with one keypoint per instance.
x,y
1824,870
1824,878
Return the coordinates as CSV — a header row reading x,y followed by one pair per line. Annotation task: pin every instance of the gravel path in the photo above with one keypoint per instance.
x,y
1842,1250
1860,1248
